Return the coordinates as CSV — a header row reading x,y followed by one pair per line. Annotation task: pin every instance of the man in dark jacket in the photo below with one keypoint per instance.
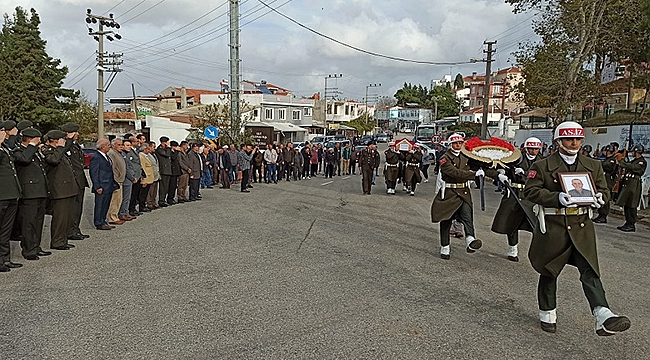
x,y
134,158
77,159
176,172
62,186
9,195
196,170
224,164
33,180
184,178
103,183
163,153
128,184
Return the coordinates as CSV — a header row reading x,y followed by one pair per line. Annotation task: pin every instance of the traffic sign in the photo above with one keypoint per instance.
x,y
436,139
211,132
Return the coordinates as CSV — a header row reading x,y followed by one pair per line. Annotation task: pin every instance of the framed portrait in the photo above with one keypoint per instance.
x,y
580,185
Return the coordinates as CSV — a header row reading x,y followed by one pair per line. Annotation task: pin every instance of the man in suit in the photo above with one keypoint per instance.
x,y
62,186
119,173
196,169
33,180
176,172
184,178
101,175
147,178
9,195
76,156
224,167
130,179
163,153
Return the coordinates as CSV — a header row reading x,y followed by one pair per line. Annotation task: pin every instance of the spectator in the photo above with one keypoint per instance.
x,y
244,158
196,167
127,185
258,161
306,158
289,157
271,158
134,158
163,154
119,173
345,156
176,172
354,154
233,163
337,158
103,183
321,154
206,177
224,167
153,189
298,163
147,180
184,178
313,161
330,162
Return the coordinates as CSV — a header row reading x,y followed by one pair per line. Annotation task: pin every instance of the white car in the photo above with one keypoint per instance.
x,y
407,131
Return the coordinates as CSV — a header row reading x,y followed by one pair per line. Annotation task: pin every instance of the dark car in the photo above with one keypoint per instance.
x,y
367,140
88,153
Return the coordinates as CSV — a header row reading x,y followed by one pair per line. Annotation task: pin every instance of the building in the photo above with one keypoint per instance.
x,y
502,90
404,118
446,80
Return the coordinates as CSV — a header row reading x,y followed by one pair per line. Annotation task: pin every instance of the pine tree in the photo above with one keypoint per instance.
x,y
30,80
458,82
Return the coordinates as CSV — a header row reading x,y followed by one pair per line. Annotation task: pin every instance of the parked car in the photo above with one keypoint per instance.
x,y
367,140
358,148
407,131
88,153
331,144
383,138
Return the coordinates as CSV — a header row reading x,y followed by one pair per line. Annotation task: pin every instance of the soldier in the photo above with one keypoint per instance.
x,y
76,156
610,167
565,234
33,181
412,176
510,217
586,151
630,194
367,162
62,186
9,195
12,139
391,171
454,198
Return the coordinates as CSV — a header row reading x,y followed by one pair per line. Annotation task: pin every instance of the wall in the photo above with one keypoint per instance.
x,y
159,126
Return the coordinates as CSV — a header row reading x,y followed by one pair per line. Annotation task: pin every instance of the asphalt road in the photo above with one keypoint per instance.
x,y
309,270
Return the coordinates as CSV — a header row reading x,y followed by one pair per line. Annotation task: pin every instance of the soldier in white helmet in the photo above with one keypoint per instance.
x,y
511,217
566,234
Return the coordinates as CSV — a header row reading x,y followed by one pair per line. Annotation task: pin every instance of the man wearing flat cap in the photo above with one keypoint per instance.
x,y
163,153
9,195
33,181
62,186
76,156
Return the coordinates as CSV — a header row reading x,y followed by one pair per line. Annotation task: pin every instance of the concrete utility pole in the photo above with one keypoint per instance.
x,y
334,76
234,60
368,112
99,37
486,91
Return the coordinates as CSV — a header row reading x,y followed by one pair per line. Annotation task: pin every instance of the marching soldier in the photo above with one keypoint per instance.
x,y
76,156
586,151
62,186
630,194
9,195
367,162
412,176
610,167
391,168
565,234
454,198
510,217
33,180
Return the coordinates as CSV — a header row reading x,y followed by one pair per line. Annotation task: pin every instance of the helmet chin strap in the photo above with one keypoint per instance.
x,y
455,152
530,157
570,152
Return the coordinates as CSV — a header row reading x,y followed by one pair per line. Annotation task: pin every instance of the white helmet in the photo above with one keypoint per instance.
x,y
533,143
455,138
569,129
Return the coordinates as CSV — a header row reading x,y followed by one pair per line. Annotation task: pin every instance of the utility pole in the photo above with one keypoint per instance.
x,y
331,76
486,90
368,112
99,37
234,61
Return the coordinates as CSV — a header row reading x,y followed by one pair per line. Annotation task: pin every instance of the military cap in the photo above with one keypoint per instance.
x,y
9,125
164,139
638,149
195,145
31,133
24,125
173,143
55,134
70,127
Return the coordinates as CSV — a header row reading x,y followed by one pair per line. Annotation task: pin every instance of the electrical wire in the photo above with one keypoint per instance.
x,y
135,6
372,53
149,8
114,6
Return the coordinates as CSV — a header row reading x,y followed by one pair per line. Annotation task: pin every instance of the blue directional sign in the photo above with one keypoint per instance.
x,y
211,132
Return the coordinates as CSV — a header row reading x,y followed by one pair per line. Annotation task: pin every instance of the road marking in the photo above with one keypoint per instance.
x,y
327,183
347,177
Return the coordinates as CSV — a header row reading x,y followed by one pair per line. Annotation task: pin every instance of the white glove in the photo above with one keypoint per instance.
x,y
519,171
503,178
480,172
598,201
566,200
501,171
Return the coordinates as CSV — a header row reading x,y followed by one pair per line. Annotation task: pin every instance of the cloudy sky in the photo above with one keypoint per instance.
x,y
185,42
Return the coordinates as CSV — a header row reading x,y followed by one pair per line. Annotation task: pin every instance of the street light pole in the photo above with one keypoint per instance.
x,y
366,108
330,76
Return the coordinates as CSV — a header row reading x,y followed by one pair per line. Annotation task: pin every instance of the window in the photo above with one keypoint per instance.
x,y
256,113
307,111
269,114
336,110
295,114
496,90
282,114
347,110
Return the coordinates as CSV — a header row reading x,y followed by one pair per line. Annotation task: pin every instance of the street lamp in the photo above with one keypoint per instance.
x,y
368,87
330,76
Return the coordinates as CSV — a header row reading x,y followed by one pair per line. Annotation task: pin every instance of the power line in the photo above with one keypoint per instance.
x,y
114,6
372,53
135,6
151,7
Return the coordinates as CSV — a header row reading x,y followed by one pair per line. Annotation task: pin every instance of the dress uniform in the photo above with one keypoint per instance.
x,y
33,181
510,217
630,193
9,195
566,234
610,167
76,156
62,186
12,139
454,198
391,168
412,176
368,159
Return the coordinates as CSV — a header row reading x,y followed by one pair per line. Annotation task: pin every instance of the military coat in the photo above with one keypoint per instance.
x,y
391,171
454,170
550,252
10,188
630,193
610,167
60,176
412,171
76,156
31,172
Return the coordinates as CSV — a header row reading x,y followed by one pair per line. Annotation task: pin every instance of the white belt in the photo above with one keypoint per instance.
x,y
517,186
391,165
456,186
566,211
412,164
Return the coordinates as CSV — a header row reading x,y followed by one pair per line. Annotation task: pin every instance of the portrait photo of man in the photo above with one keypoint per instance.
x,y
579,189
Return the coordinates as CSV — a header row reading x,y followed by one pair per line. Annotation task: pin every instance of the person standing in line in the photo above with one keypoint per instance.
x,y
62,186
119,173
271,158
127,184
330,163
258,164
313,161
245,157
33,181
224,167
77,159
566,234
306,158
233,164
298,164
184,178
354,155
631,187
215,164
337,158
345,158
206,176
321,157
9,196
163,153
367,162
196,167
153,188
134,158
103,183
176,172
147,179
